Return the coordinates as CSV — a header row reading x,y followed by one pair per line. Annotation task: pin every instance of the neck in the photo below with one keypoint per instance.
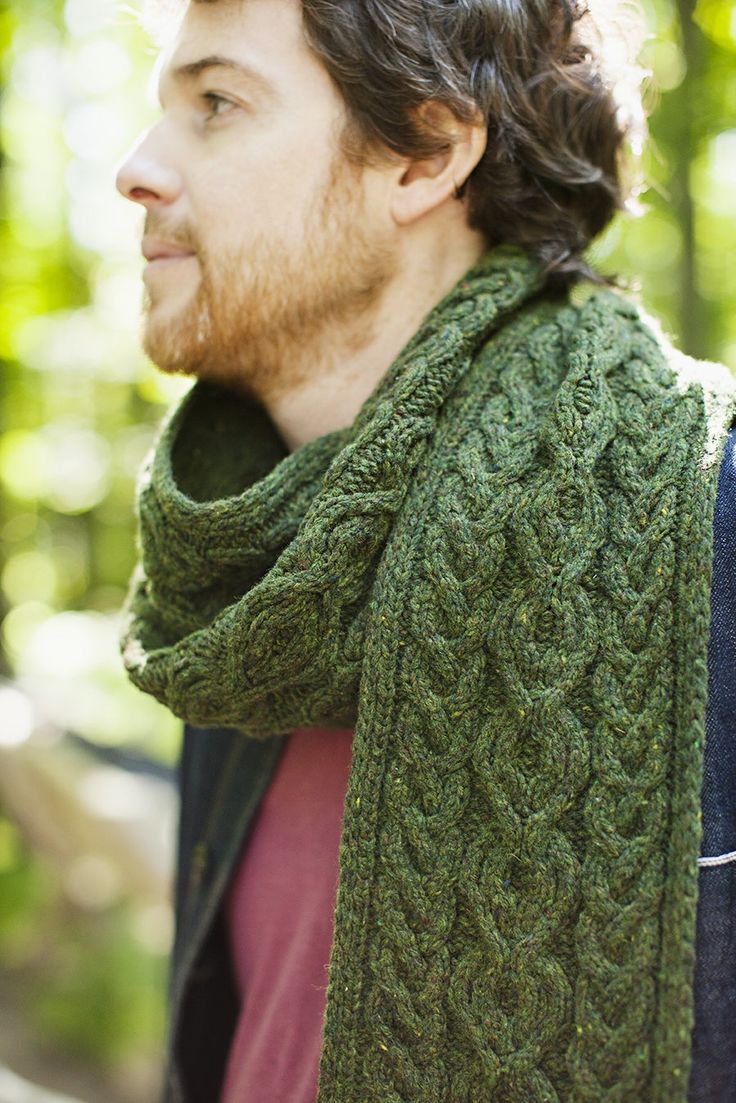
x,y
353,358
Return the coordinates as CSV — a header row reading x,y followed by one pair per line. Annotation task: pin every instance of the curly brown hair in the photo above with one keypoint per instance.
x,y
558,161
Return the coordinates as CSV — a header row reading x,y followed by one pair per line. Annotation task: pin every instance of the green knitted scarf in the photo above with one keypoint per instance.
x,y
500,573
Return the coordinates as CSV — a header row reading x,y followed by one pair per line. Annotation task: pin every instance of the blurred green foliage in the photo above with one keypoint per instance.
x,y
79,403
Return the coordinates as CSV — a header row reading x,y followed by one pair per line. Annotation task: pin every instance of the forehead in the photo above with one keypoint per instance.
x,y
265,35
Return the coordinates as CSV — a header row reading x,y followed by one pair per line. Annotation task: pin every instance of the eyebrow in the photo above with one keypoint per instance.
x,y
190,70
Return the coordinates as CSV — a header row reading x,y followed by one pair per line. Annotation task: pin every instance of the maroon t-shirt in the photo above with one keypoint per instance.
x,y
280,913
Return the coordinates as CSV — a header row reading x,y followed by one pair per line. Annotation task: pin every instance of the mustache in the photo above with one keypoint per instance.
x,y
181,234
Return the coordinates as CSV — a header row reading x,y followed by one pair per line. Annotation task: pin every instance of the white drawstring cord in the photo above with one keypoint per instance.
x,y
718,860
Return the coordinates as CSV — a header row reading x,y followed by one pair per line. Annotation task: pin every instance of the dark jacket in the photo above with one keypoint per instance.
x,y
223,776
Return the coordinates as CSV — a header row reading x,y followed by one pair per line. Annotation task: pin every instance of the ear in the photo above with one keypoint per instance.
x,y
423,185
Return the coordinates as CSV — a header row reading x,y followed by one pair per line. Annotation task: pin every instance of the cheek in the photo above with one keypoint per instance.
x,y
266,186
257,212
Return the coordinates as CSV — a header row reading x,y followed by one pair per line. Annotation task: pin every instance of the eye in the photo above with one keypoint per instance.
x,y
217,104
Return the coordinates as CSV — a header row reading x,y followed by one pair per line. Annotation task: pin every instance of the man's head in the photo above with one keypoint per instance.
x,y
308,149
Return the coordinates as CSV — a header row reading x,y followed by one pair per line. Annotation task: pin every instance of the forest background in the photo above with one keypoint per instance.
x,y
87,803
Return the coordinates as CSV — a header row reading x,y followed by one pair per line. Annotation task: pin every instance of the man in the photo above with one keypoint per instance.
x,y
426,563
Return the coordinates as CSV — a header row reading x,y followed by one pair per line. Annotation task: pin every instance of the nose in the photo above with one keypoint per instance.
x,y
147,176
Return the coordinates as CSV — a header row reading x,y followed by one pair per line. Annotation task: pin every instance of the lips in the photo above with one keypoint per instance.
x,y
156,249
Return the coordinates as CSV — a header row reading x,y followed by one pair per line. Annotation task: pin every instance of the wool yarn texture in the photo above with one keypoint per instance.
x,y
500,575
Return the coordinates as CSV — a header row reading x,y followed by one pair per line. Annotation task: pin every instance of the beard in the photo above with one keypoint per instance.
x,y
261,313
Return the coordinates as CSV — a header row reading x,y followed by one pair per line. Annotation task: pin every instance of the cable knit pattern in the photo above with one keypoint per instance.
x,y
501,572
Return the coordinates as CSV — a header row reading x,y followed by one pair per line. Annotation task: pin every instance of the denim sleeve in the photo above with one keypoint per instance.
x,y
713,1074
